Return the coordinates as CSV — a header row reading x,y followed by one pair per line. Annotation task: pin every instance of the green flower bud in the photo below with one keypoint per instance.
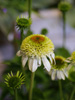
x,y
14,81
44,31
23,23
64,6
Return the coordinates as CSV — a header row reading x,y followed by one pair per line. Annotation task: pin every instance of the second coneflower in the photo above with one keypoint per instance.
x,y
59,70
37,48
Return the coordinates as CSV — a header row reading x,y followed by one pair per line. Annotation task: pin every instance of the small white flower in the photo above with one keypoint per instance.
x,y
60,70
36,49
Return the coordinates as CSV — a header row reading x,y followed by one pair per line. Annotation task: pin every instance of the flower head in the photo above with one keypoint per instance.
x,y
64,6
23,22
14,81
35,48
60,69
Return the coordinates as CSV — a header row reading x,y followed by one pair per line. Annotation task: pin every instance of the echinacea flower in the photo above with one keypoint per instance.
x,y
64,6
14,81
59,70
34,49
23,23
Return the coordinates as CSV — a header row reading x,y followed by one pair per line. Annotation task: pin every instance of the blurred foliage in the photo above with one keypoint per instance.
x,y
19,5
7,20
37,4
62,52
9,10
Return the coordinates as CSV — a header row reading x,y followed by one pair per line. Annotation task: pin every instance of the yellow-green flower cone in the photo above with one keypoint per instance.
x,y
35,48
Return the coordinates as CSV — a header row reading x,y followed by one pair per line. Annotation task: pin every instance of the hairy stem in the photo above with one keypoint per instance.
x,y
64,26
21,36
31,85
15,94
60,89
29,8
72,94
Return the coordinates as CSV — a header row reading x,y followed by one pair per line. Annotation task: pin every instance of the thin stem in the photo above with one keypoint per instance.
x,y
21,36
29,8
64,26
60,89
31,85
72,94
15,94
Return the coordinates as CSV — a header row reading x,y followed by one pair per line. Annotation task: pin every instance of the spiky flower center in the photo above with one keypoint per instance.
x,y
37,39
14,81
36,45
22,21
60,62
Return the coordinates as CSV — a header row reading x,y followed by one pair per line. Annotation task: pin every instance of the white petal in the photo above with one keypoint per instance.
x,y
50,58
24,60
46,63
32,64
53,75
18,53
39,62
53,55
65,73
62,75
58,75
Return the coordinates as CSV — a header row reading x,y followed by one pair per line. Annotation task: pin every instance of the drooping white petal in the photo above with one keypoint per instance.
x,y
50,58
32,64
46,63
18,53
65,73
62,75
39,62
24,60
58,75
53,75
53,55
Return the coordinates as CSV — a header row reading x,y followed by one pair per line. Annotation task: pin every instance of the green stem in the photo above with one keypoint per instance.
x,y
31,85
72,94
64,26
29,8
21,36
15,94
60,89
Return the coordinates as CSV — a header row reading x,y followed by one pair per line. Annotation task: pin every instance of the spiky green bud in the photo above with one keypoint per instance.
x,y
14,81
